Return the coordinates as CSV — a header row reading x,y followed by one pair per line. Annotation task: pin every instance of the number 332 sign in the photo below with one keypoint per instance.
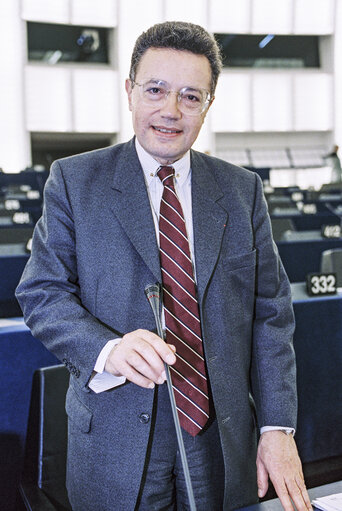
x,y
321,284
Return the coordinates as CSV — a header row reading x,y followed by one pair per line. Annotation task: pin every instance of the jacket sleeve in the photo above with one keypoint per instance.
x,y
49,293
273,370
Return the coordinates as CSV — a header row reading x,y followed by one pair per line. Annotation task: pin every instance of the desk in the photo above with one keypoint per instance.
x,y
35,179
274,504
318,347
303,256
304,222
309,235
20,355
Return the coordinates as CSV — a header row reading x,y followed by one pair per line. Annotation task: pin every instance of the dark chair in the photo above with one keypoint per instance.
x,y
15,234
42,486
331,262
280,226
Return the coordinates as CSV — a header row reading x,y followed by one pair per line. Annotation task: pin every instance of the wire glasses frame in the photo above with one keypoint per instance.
x,y
191,101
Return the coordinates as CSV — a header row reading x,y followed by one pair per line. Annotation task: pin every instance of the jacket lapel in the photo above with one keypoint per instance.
x,y
132,208
209,221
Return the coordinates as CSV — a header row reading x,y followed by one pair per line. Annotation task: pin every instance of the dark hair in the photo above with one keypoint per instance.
x,y
179,35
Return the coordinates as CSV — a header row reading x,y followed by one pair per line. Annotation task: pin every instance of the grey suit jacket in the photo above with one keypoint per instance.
x,y
95,250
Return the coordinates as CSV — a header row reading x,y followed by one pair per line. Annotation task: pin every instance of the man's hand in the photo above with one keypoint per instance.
x,y
278,460
140,357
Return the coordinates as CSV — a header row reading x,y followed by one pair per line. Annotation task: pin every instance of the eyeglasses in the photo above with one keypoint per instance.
x,y
191,101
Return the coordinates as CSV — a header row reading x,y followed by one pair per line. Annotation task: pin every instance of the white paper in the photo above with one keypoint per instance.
x,y
329,503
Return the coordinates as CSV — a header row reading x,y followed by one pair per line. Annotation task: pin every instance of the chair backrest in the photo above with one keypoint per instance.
x,y
331,261
280,226
46,441
9,234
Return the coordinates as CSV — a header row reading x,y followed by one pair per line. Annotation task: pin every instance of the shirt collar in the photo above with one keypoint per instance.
x,y
150,166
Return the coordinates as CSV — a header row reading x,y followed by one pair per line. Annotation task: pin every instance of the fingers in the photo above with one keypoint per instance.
x,y
283,495
133,375
294,489
262,478
298,493
290,490
140,357
305,495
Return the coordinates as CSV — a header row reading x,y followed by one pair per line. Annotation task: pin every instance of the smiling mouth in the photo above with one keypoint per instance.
x,y
165,130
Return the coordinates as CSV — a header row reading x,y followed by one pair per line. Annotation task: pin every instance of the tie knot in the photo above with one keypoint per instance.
x,y
166,175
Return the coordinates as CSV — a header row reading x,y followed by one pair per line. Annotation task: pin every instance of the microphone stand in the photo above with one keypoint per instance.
x,y
152,293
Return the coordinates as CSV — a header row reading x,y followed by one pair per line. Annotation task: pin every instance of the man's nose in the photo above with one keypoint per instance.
x,y
170,108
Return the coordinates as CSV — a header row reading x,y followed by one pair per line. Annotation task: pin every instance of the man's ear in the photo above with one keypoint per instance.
x,y
129,90
210,103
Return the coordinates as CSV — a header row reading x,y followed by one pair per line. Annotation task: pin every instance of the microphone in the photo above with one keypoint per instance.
x,y
153,292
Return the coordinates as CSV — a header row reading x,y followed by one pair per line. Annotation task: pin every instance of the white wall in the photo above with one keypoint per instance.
x,y
338,75
263,106
14,144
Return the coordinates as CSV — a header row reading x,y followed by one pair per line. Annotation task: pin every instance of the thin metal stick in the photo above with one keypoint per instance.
x,y
152,293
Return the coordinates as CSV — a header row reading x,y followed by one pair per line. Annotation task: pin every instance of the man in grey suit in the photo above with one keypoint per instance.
x,y
82,293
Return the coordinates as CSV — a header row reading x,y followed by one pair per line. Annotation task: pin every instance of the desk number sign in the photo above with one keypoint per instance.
x,y
318,284
331,231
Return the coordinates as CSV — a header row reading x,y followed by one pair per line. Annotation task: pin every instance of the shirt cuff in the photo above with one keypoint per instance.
x,y
101,380
288,431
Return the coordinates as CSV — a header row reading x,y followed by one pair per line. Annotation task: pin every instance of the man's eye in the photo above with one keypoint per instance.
x,y
154,90
192,98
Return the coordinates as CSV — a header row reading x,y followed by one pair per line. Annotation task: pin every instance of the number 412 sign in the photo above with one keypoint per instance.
x,y
321,284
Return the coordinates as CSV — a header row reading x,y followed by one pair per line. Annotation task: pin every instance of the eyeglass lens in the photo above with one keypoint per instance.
x,y
189,99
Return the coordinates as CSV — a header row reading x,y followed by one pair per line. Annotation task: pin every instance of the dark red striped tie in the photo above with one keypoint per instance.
x,y
183,327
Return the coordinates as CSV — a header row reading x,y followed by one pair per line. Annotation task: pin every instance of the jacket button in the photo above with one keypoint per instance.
x,y
144,418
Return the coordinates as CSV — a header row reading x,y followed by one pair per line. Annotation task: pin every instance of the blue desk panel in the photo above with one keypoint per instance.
x,y
318,347
301,257
20,355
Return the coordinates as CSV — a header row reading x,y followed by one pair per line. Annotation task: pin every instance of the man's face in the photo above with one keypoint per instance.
x,y
163,130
